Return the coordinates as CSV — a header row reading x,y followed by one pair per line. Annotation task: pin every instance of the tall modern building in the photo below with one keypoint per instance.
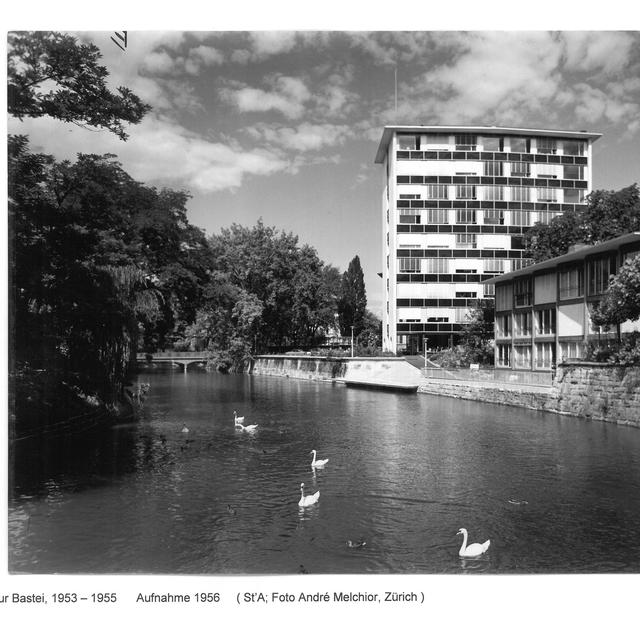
x,y
456,202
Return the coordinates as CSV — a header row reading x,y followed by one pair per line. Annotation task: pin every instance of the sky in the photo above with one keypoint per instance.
x,y
284,125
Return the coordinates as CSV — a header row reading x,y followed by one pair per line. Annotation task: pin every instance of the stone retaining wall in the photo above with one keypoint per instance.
x,y
601,391
586,390
537,400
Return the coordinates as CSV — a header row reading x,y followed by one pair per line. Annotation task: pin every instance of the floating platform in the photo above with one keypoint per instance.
x,y
381,385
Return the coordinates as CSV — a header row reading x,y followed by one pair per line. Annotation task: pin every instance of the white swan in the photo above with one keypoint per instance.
x,y
474,550
184,428
237,420
306,501
317,463
249,427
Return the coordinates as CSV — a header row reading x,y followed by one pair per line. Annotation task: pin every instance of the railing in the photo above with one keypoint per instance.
x,y
176,355
490,374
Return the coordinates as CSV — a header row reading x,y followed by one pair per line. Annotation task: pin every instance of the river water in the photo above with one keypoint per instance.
x,y
554,494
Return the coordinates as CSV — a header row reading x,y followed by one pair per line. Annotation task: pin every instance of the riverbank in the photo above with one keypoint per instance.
x,y
382,373
41,403
594,390
598,391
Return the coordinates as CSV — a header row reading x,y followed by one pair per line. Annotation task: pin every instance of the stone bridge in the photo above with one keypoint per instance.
x,y
176,358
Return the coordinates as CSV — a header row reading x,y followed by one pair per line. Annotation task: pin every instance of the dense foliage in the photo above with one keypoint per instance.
x,y
102,266
621,300
352,304
476,341
52,74
98,261
266,292
626,351
477,332
608,214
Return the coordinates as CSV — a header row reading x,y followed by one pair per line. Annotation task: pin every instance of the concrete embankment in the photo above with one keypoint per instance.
x,y
386,373
587,390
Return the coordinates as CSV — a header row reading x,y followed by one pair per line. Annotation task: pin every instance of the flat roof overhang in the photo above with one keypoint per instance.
x,y
389,130
573,256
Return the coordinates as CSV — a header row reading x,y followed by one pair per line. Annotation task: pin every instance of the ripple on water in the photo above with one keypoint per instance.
x,y
553,494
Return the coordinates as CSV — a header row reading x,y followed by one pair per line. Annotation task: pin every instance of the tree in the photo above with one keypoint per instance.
x,y
608,214
265,291
621,301
370,338
37,60
86,277
477,332
353,299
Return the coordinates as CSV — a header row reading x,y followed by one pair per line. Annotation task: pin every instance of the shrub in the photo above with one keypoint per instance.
x,y
626,352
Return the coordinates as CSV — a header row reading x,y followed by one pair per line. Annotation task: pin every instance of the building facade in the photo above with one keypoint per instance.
x,y
543,310
456,202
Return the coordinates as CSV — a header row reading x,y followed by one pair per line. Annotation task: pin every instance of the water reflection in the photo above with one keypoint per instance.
x,y
404,472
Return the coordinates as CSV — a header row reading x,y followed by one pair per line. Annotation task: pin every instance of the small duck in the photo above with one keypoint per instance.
x,y
474,550
356,545
231,510
317,464
307,501
185,429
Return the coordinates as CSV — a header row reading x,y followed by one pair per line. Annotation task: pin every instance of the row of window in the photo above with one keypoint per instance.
x,y
444,265
496,169
444,278
570,283
421,327
520,325
472,142
414,202
520,355
497,192
441,302
513,256
460,316
475,216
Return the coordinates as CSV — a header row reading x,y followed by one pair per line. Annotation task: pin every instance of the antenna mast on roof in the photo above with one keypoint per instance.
x,y
395,78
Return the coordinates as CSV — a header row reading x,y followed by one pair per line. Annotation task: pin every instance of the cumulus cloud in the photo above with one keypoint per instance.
x,y
269,43
518,78
597,51
303,138
160,152
493,74
208,56
287,95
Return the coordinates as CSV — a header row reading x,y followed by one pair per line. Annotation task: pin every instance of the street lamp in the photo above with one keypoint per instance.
x,y
352,340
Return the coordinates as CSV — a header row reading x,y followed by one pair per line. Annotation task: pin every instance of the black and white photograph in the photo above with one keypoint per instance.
x,y
322,321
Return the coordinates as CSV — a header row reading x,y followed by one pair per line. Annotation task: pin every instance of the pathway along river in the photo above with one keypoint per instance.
x,y
554,494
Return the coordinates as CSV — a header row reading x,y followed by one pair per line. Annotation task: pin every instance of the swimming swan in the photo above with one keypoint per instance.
x,y
317,463
237,420
184,429
249,427
306,501
474,550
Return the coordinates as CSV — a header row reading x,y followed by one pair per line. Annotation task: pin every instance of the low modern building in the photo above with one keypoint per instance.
x,y
456,202
543,310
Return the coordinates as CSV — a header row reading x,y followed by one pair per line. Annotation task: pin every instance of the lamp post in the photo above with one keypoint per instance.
x,y
352,340
425,351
